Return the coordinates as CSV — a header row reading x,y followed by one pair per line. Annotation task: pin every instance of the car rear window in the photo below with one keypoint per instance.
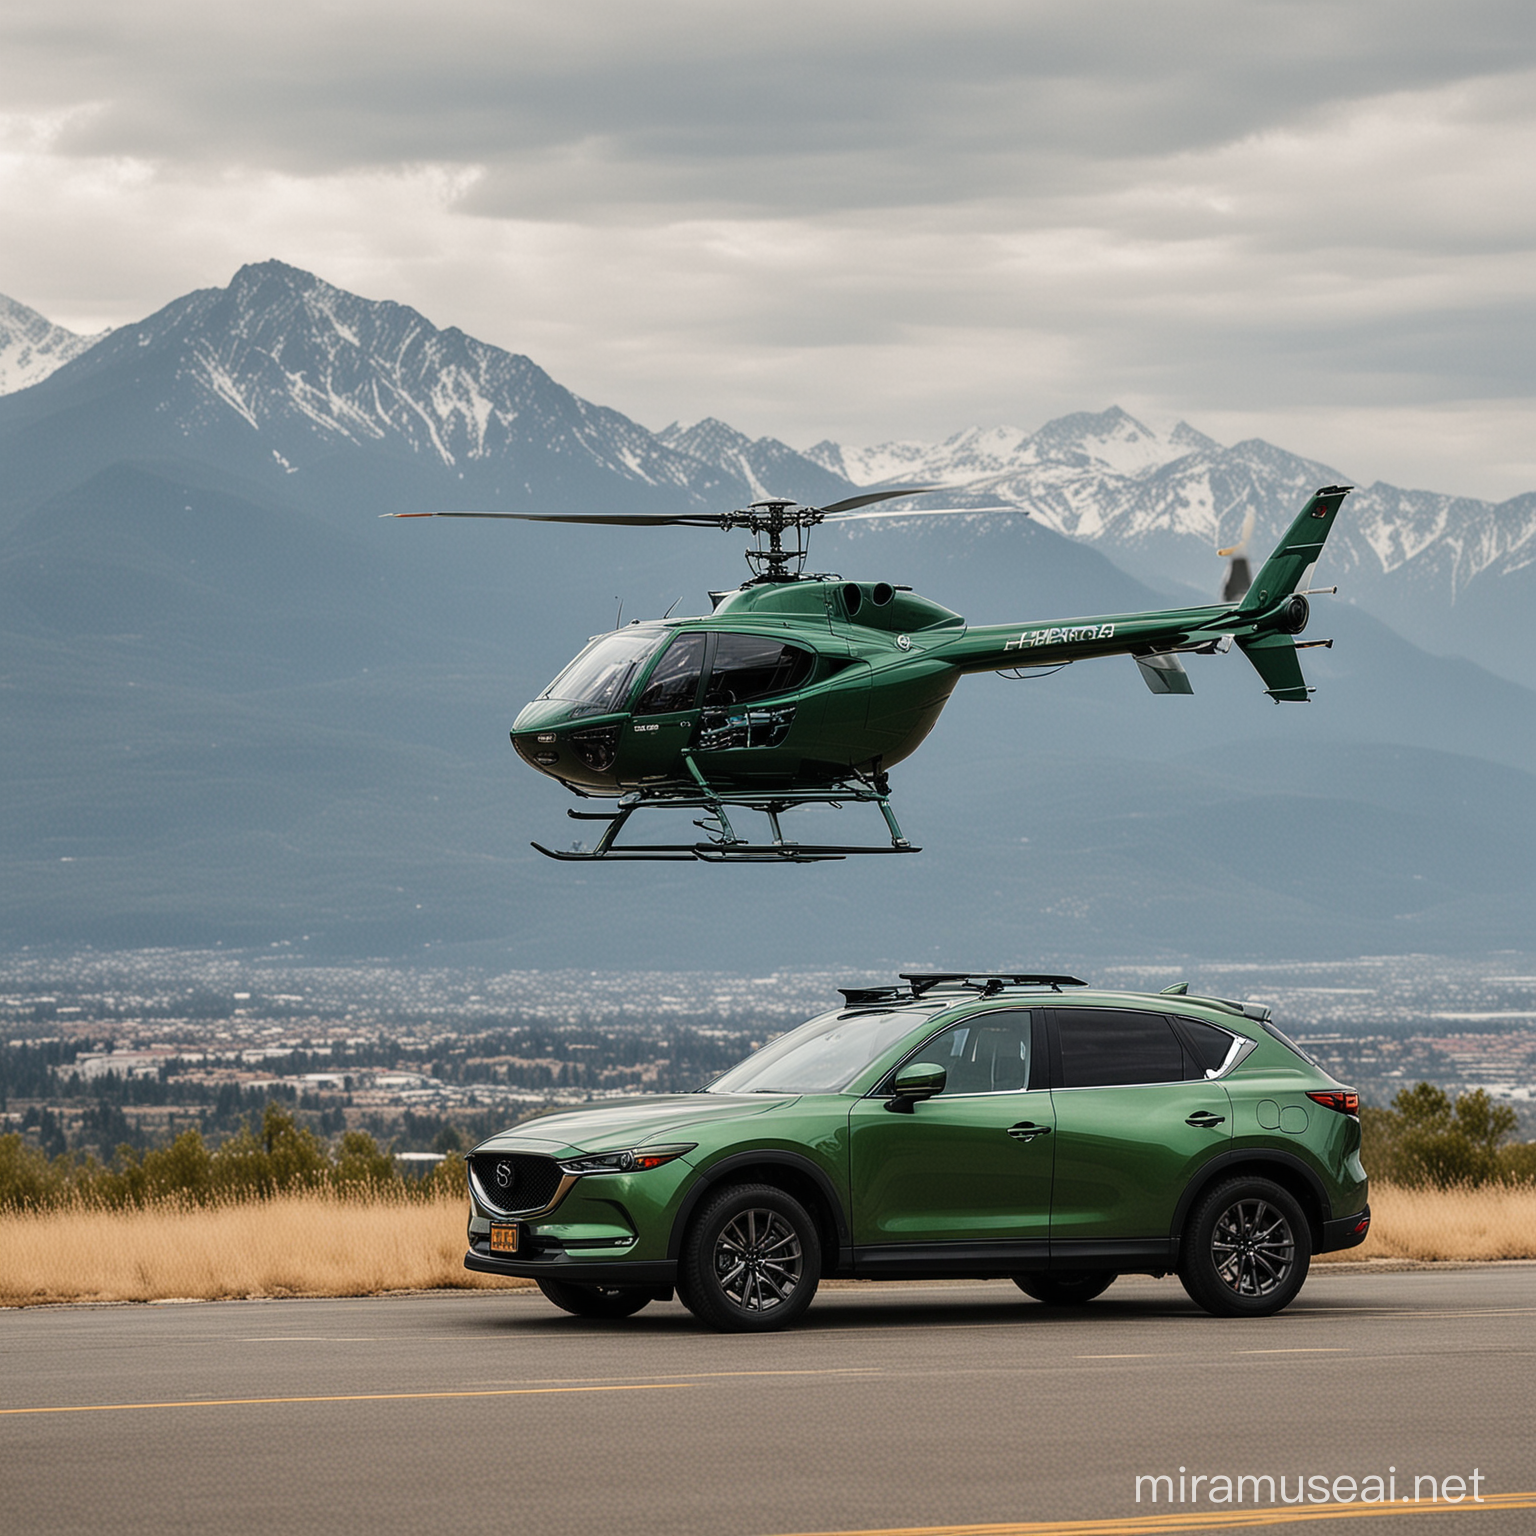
x,y
1109,1047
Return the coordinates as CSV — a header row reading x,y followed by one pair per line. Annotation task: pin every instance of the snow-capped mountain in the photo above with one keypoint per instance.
x,y
304,392
1443,568
283,377
1112,442
32,346
768,466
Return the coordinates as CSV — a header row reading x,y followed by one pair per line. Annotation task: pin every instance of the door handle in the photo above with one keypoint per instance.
x,y
1205,1120
1027,1130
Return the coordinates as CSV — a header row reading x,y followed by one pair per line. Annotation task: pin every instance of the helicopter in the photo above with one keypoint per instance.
x,y
804,689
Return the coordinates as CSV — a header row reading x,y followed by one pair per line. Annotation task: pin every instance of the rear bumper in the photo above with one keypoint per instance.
x,y
1345,1232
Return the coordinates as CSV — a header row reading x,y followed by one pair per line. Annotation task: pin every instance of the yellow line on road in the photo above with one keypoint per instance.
x,y
355,1397
1205,1520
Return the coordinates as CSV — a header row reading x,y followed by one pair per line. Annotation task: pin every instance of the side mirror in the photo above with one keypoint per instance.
x,y
918,1080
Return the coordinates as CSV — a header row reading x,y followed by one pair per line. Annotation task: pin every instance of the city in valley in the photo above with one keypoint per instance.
x,y
102,1049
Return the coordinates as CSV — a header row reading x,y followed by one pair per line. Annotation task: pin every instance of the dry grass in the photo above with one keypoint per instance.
x,y
319,1245
1496,1221
296,1245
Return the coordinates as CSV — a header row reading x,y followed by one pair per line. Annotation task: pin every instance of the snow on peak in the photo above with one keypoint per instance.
x,y
1106,441
32,346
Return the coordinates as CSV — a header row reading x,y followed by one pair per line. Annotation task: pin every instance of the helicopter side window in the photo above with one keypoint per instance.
x,y
754,667
600,678
674,683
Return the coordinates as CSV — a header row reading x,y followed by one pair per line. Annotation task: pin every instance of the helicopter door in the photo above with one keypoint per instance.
x,y
747,699
666,712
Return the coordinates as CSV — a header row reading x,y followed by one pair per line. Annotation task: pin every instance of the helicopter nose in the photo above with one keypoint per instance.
x,y
539,749
582,754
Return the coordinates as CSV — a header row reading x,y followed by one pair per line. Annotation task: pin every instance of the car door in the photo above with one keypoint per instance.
x,y
970,1168
1136,1118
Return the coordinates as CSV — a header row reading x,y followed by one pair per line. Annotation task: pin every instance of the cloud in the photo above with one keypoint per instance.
x,y
855,220
791,109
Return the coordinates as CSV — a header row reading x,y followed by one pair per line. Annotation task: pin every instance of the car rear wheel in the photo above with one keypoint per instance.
x,y
1068,1288
751,1260
1246,1249
595,1300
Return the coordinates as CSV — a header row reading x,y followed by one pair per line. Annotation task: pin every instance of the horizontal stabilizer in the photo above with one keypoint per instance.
x,y
1163,672
1274,658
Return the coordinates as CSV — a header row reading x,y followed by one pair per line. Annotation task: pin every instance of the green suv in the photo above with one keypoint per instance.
x,y
1021,1127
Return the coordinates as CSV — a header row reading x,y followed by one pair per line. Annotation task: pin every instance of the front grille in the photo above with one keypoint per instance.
x,y
515,1182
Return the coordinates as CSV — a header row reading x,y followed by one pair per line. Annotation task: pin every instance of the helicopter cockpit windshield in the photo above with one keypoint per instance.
x,y
599,679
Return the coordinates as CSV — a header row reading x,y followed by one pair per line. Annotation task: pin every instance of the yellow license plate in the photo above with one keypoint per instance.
x,y
504,1239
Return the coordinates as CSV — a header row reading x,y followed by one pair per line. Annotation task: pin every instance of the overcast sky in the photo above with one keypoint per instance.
x,y
1310,222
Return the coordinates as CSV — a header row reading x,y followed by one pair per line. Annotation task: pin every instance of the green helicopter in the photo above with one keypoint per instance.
x,y
807,689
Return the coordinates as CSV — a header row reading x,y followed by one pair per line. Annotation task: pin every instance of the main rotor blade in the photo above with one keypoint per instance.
x,y
849,503
634,520
854,517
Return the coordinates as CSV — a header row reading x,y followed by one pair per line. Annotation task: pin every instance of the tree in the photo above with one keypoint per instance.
x,y
1426,1139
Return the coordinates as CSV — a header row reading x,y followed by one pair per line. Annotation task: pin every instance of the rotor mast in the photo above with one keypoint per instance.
x,y
772,518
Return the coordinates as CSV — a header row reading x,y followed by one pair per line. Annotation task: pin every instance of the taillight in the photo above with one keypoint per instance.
x,y
1341,1099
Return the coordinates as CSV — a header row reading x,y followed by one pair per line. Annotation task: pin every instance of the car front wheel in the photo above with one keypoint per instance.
x,y
751,1260
1246,1249
1069,1288
595,1300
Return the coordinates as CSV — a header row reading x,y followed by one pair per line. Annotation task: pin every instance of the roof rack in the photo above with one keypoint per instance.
x,y
919,983
862,997
985,982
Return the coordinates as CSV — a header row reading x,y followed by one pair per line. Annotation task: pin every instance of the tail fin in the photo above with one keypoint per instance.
x,y
1290,566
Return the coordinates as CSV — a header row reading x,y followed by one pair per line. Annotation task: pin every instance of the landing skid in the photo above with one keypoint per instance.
x,y
721,844
724,853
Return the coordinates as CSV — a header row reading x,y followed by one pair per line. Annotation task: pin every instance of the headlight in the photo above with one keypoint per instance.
x,y
637,1161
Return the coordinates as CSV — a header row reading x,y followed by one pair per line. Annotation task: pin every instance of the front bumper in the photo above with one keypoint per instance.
x,y
553,1264
1346,1232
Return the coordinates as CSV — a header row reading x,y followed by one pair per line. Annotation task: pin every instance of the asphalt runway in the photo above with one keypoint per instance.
x,y
890,1407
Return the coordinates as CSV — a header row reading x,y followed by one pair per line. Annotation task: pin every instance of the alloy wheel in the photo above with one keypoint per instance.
x,y
758,1260
1253,1248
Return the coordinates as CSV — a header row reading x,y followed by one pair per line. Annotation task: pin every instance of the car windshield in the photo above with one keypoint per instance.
x,y
599,679
823,1056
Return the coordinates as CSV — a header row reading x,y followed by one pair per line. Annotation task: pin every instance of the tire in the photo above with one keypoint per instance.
x,y
1246,1249
1068,1288
751,1260
595,1300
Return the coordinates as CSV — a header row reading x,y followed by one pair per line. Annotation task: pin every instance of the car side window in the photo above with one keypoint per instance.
x,y
1111,1047
987,1053
754,667
674,682
1205,1047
